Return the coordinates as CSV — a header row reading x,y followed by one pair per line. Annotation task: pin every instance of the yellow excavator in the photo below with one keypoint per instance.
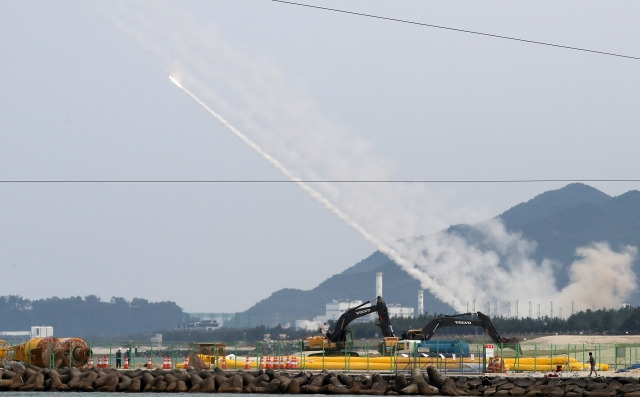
x,y
338,340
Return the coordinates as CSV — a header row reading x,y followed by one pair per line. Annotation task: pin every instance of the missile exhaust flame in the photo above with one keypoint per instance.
x,y
175,81
427,282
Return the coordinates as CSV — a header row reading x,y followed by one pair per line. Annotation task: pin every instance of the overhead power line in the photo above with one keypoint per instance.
x,y
496,36
204,181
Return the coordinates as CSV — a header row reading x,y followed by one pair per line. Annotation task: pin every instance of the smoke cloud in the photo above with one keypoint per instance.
x,y
499,270
284,121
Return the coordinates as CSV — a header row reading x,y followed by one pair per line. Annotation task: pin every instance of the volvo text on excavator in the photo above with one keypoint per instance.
x,y
460,320
336,337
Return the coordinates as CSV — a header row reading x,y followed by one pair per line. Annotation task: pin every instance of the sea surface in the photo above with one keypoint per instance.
x,y
122,394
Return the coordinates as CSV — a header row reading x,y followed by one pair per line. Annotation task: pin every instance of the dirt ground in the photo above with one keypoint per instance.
x,y
605,340
585,339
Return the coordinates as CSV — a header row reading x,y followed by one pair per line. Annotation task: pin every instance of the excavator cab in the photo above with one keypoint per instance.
x,y
388,346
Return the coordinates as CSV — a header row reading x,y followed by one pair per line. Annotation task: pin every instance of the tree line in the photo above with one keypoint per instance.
x,y
91,318
605,321
625,320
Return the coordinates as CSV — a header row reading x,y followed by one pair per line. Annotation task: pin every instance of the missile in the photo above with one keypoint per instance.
x,y
175,81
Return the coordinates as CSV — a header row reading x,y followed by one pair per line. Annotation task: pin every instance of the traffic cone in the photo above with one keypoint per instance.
x,y
493,365
261,362
149,363
223,363
269,365
126,362
90,362
247,365
287,363
105,362
100,362
186,362
295,363
165,364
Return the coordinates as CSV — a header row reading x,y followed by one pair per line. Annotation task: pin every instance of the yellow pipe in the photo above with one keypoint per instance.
x,y
403,363
548,364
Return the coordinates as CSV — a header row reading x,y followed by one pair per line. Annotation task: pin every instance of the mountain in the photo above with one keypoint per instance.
x,y
559,221
560,228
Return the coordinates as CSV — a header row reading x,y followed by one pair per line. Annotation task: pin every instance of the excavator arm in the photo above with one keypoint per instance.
x,y
339,332
383,318
491,330
459,320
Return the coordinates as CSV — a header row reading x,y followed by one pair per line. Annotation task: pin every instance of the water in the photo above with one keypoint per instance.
x,y
120,394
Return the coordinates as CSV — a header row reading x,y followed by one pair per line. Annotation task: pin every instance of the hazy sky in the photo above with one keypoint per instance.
x,y
86,98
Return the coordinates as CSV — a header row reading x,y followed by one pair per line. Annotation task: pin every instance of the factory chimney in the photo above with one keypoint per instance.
x,y
420,302
378,284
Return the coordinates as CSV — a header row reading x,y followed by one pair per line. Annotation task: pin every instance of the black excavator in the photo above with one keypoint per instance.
x,y
335,340
462,320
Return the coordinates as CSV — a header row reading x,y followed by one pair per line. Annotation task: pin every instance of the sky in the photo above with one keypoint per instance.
x,y
302,140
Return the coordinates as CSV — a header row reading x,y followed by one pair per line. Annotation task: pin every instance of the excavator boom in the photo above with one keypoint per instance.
x,y
335,340
459,320
339,331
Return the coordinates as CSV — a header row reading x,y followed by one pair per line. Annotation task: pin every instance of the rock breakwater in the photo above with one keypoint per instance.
x,y
17,377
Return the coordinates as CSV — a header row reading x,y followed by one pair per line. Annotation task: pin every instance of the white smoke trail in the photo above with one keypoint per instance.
x,y
314,194
288,124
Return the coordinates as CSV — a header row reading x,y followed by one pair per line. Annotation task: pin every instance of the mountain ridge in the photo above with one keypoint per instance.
x,y
558,221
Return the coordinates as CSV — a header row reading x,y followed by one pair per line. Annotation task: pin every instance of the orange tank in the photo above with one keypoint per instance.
x,y
41,352
76,352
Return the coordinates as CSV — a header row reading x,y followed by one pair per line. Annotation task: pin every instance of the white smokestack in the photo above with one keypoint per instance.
x,y
379,284
420,302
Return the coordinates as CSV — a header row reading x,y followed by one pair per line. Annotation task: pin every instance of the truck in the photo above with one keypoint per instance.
x,y
338,340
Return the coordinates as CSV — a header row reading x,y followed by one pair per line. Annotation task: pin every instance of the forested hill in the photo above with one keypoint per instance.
x,y
88,317
559,221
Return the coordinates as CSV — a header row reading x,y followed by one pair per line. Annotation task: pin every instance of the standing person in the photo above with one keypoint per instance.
x,y
592,362
118,358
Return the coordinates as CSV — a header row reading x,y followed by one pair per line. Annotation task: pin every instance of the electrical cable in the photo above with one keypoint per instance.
x,y
496,36
204,181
